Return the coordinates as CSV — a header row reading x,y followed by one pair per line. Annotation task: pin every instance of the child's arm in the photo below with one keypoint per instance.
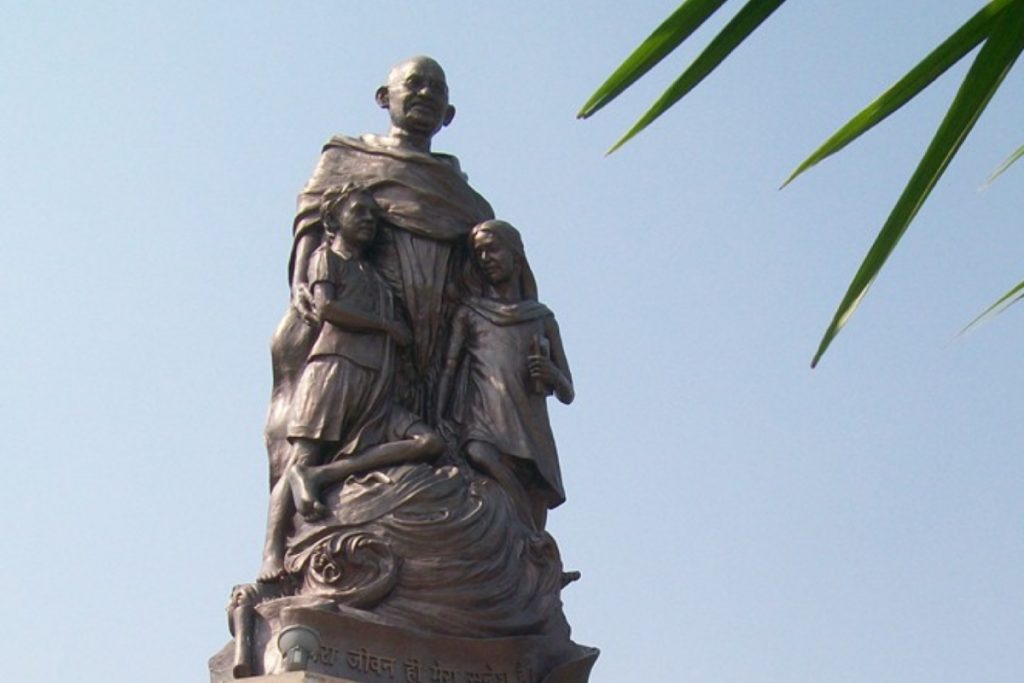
x,y
451,363
302,298
337,313
553,371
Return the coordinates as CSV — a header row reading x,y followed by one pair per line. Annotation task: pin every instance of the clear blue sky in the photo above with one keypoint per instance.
x,y
737,517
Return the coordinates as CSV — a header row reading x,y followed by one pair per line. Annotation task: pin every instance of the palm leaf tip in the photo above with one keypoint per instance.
x,y
671,33
987,72
974,31
738,29
639,126
1001,304
846,310
1010,160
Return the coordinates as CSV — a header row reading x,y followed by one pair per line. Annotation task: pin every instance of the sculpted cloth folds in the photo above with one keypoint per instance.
x,y
345,392
410,450
428,209
500,407
424,194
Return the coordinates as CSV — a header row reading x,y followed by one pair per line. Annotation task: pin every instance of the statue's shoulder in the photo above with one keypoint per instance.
x,y
322,267
369,143
344,142
503,313
450,160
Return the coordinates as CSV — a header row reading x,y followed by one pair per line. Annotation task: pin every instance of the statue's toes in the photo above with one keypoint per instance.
x,y
313,511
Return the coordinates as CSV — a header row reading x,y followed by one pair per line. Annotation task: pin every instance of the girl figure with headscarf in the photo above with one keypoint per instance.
x,y
509,349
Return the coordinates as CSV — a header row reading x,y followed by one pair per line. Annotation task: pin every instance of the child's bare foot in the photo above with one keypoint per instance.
x,y
304,492
272,569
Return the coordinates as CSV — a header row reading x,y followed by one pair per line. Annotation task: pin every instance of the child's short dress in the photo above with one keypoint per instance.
x,y
345,394
501,406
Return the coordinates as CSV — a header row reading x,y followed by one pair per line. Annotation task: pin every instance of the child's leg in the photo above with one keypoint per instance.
x,y
536,489
303,452
487,459
422,443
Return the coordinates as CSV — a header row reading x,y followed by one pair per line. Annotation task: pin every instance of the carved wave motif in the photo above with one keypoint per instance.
x,y
457,561
354,568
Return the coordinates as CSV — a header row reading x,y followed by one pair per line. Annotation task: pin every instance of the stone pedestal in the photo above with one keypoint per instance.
x,y
298,677
353,647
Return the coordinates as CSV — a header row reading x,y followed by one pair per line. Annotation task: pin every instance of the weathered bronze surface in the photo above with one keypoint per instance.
x,y
412,463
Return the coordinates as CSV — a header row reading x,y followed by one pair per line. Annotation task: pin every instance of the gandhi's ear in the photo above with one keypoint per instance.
x,y
382,97
449,114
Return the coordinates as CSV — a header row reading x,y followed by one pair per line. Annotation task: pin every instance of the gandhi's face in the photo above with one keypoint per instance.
x,y
417,97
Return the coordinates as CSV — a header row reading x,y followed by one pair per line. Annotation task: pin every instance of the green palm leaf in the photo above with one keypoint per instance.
x,y
1004,302
1006,164
728,39
994,60
667,37
949,52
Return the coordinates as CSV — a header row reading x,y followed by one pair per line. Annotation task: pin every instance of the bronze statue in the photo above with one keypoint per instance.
x,y
344,400
514,354
428,209
412,463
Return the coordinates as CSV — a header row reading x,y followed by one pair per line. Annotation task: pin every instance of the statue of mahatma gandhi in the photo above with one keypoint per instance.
x,y
412,464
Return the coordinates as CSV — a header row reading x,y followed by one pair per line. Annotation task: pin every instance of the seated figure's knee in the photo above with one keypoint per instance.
x,y
482,456
430,443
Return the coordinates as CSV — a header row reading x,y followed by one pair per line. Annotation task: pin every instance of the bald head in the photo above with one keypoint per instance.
x,y
416,97
420,63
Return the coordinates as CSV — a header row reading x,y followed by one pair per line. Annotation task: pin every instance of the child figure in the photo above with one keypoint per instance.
x,y
344,409
513,351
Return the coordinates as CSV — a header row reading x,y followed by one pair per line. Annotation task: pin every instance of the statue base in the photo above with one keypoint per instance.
x,y
302,644
298,677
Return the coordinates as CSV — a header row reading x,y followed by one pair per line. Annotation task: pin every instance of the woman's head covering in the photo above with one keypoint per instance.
x,y
509,238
